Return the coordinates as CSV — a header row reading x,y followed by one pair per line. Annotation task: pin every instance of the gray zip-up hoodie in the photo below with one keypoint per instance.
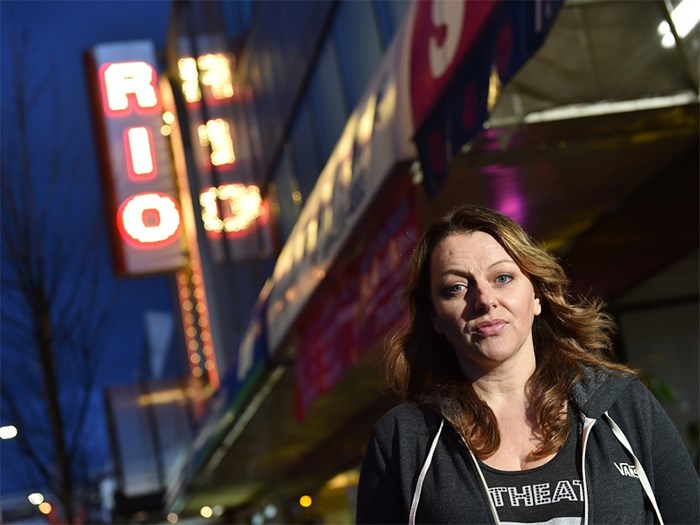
x,y
635,467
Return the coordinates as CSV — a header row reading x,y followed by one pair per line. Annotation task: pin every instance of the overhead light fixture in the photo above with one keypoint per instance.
x,y
8,432
270,511
685,16
36,498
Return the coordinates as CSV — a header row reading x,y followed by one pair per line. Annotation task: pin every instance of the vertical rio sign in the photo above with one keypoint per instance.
x,y
136,160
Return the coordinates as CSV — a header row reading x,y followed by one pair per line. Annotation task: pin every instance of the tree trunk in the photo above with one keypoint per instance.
x,y
54,408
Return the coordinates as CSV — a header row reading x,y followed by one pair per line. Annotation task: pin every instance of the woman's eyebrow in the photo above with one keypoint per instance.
x,y
502,261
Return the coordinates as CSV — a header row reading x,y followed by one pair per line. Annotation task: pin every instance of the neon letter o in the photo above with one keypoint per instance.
x,y
149,219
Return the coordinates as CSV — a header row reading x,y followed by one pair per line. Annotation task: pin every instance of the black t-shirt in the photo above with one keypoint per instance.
x,y
551,493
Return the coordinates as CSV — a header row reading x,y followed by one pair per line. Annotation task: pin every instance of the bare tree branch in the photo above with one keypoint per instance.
x,y
29,449
57,321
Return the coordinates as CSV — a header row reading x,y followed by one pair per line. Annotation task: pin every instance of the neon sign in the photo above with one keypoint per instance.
x,y
212,70
241,207
137,164
216,134
140,156
126,81
234,214
149,220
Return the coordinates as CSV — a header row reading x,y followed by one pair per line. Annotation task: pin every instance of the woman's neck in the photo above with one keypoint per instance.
x,y
504,383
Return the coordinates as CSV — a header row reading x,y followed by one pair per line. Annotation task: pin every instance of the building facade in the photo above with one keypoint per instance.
x,y
349,125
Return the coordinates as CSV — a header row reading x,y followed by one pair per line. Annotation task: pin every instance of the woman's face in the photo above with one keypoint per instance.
x,y
483,304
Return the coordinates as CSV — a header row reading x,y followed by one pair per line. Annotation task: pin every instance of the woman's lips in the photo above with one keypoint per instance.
x,y
489,328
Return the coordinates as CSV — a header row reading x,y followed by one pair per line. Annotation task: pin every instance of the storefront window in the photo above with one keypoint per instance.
x,y
357,35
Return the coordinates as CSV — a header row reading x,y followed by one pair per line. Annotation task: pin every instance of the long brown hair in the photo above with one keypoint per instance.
x,y
421,366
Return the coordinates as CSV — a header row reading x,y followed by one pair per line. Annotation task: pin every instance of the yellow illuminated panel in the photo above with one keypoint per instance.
x,y
149,219
244,205
210,210
494,89
213,71
217,134
216,75
126,81
188,75
140,155
311,235
241,206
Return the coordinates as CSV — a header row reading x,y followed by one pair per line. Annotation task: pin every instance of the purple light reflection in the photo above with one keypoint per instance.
x,y
506,194
490,140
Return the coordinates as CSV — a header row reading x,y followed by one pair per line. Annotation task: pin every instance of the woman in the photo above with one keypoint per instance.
x,y
513,413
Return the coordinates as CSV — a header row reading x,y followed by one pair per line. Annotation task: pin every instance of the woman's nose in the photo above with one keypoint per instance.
x,y
483,297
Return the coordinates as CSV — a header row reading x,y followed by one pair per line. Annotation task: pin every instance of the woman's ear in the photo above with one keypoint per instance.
x,y
436,326
537,306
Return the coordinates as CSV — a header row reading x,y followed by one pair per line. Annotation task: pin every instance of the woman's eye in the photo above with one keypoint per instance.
x,y
455,289
504,278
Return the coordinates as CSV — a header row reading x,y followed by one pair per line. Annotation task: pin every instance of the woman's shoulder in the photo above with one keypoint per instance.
x,y
601,387
409,414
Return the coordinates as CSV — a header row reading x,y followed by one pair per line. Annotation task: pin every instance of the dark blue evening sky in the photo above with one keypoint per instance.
x,y
61,31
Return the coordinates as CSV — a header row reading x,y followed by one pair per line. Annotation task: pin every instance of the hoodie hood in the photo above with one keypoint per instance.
x,y
589,396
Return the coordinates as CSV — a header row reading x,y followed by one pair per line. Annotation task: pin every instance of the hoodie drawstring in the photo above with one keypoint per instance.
x,y
421,477
587,426
620,435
